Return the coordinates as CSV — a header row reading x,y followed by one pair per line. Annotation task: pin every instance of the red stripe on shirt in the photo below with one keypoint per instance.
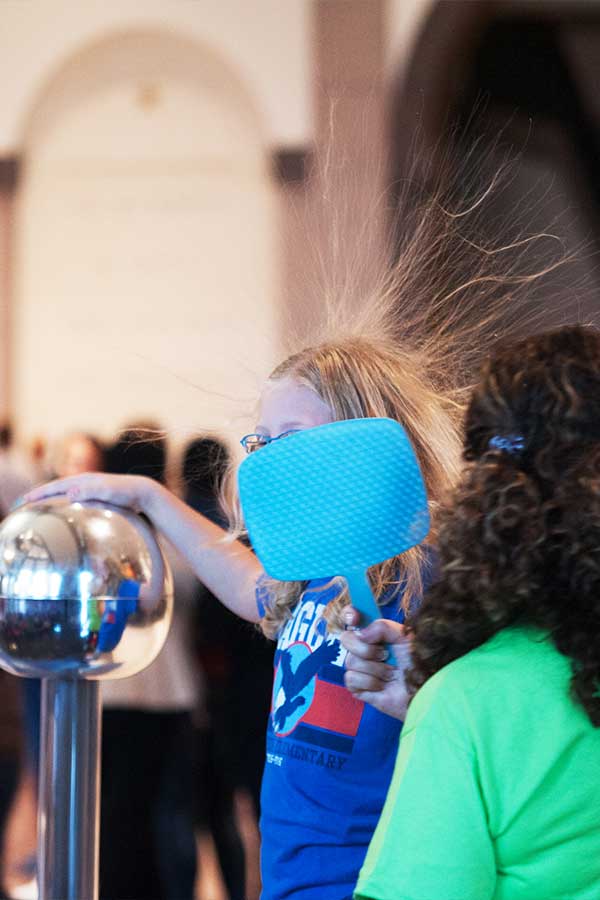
x,y
335,709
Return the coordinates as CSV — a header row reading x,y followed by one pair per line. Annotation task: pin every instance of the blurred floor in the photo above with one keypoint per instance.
x,y
20,846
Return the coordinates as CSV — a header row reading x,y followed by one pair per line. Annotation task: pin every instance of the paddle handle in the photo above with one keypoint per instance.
x,y
363,599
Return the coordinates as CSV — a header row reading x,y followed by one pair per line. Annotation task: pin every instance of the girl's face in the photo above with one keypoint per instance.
x,y
286,405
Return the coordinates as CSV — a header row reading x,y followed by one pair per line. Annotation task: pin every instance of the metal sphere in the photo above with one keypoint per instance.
x,y
85,591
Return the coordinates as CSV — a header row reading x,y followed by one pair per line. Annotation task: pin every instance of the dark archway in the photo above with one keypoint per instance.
x,y
529,73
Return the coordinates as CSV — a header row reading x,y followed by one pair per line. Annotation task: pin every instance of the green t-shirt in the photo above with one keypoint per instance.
x,y
496,791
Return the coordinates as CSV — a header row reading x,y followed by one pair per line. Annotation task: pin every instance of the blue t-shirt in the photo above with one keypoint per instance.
x,y
330,759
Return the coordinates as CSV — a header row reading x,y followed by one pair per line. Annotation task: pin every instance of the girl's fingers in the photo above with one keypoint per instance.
x,y
378,670
91,486
351,617
383,631
50,489
352,641
378,700
360,681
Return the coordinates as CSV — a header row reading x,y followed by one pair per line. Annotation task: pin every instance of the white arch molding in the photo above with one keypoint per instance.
x,y
268,41
146,275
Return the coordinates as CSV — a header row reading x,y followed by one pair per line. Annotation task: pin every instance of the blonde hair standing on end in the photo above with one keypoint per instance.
x,y
401,327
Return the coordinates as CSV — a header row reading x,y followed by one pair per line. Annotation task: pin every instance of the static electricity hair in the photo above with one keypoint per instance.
x,y
520,543
397,332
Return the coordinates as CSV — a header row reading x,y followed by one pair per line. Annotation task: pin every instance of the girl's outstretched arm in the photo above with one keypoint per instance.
x,y
227,568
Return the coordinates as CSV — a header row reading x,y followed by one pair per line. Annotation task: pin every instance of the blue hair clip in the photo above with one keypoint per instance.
x,y
510,443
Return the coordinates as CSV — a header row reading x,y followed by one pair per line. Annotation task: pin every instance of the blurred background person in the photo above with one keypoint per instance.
x,y
19,703
147,836
11,740
238,673
17,473
79,452
246,657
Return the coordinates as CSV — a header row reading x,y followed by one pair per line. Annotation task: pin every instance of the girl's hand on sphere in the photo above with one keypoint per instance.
x,y
229,569
131,491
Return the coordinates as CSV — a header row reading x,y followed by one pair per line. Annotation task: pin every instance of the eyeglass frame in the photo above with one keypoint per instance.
x,y
264,439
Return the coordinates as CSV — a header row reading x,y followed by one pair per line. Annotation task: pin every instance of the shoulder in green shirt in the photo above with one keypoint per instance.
x,y
496,791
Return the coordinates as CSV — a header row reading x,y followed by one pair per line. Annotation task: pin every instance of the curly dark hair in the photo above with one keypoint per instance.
x,y
520,542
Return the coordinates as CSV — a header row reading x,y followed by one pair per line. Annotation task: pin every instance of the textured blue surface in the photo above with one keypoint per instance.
x,y
333,500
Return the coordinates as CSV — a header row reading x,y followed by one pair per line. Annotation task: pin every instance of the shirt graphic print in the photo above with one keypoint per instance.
x,y
310,704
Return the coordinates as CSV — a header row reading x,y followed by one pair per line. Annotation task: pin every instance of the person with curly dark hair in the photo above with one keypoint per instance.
x,y
496,792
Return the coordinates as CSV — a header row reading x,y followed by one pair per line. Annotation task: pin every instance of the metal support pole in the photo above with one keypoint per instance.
x,y
69,790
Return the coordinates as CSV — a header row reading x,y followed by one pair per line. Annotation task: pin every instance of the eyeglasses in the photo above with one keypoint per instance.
x,y
252,442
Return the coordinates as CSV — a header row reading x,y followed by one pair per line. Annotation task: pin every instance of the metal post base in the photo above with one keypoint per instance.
x,y
69,790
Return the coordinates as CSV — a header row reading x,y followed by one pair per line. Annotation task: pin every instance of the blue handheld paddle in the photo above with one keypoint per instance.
x,y
334,500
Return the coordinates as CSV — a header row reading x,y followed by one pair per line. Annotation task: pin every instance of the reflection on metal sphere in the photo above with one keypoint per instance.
x,y
85,591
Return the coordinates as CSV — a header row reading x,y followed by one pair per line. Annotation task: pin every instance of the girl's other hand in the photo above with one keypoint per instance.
x,y
131,491
370,675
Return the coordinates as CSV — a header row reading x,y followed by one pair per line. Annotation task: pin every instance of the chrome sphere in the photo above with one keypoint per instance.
x,y
85,591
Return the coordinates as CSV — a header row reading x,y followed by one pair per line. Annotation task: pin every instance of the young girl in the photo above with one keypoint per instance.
x,y
329,757
499,761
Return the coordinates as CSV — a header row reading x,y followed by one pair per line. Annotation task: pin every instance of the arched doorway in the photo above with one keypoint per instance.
x,y
146,261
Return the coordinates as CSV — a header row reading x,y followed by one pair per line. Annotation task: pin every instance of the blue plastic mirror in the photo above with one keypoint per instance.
x,y
334,500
